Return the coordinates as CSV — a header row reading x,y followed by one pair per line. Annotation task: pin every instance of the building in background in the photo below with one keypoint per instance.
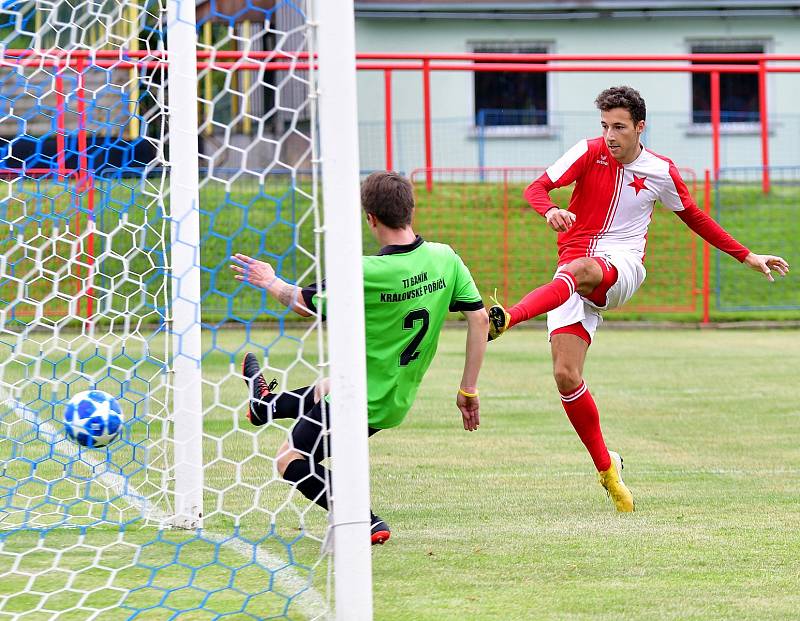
x,y
516,119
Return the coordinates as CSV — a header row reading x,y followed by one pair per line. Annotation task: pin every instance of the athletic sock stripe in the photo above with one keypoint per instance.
x,y
567,279
577,394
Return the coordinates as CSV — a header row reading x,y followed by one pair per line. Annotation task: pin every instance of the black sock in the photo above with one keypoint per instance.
x,y
287,404
293,403
309,478
312,486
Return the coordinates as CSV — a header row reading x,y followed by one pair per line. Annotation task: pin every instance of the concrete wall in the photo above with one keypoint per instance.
x,y
668,96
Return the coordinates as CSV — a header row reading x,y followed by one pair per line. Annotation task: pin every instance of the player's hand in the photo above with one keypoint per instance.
x,y
252,271
470,411
766,263
560,220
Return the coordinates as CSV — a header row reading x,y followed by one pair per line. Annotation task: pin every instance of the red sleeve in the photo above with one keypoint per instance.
x,y
563,172
538,194
712,232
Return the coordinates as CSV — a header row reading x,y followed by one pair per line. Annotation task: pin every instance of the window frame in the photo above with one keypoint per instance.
x,y
726,127
546,130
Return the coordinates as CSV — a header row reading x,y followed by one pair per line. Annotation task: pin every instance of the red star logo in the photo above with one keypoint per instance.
x,y
638,184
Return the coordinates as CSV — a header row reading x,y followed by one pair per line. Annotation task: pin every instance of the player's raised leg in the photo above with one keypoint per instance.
x,y
581,276
265,404
569,349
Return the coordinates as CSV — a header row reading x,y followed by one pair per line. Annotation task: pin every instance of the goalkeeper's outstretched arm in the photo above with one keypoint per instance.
x,y
262,274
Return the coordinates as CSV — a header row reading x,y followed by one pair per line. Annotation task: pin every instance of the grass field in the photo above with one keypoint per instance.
x,y
509,522
508,247
503,524
505,244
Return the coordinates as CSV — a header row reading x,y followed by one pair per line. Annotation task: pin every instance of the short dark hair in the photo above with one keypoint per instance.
x,y
623,97
389,197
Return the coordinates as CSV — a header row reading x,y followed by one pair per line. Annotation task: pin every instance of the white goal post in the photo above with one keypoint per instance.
x,y
142,144
185,249
341,197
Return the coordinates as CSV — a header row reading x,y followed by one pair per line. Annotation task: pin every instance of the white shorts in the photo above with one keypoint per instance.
x,y
630,276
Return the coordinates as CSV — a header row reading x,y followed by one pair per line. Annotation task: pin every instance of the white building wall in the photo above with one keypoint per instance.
x,y
573,115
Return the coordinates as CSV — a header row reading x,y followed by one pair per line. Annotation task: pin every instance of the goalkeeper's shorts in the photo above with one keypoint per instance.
x,y
309,435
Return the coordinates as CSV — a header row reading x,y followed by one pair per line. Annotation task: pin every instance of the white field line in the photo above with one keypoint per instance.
x,y
309,601
107,479
546,474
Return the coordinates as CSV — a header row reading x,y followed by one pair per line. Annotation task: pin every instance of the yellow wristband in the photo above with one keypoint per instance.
x,y
464,393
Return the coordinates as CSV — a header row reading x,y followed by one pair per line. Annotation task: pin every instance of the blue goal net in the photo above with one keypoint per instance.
x,y
132,483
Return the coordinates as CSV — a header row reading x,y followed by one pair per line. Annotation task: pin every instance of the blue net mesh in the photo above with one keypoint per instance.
x,y
87,283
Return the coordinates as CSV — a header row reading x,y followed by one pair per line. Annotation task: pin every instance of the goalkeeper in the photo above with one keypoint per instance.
x,y
409,287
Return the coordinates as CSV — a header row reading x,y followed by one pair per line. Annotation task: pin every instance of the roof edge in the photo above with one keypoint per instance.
x,y
571,5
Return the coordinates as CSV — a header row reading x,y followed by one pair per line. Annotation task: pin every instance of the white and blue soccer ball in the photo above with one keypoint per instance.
x,y
93,418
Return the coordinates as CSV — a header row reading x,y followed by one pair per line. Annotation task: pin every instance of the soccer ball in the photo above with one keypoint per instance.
x,y
93,418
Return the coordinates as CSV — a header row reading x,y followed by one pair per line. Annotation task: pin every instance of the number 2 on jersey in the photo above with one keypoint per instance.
x,y
411,353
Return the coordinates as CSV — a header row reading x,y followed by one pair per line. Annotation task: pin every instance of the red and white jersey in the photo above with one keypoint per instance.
x,y
613,203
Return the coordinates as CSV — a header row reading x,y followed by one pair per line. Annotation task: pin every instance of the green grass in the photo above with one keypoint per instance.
x,y
510,523
505,523
505,244
155,572
508,247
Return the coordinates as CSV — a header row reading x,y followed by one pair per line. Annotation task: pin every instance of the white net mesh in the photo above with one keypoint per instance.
x,y
89,282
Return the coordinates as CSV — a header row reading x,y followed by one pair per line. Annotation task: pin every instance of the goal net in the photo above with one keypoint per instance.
x,y
141,145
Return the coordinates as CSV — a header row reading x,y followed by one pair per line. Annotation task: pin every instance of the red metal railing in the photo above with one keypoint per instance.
x,y
279,60
545,63
478,208
706,288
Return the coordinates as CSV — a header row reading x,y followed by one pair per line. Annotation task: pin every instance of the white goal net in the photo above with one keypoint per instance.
x,y
141,145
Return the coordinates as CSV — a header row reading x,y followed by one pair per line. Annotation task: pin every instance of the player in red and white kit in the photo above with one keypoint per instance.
x,y
601,248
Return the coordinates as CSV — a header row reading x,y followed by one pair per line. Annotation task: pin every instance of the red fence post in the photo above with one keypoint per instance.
x,y
706,252
715,119
84,185
505,237
426,101
60,125
387,100
762,106
90,248
83,160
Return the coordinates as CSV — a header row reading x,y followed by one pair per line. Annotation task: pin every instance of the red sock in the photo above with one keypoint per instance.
x,y
582,413
545,298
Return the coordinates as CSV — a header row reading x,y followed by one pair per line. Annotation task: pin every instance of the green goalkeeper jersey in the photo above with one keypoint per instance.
x,y
408,291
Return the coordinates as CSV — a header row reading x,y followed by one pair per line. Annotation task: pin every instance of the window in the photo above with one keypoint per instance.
x,y
738,92
509,98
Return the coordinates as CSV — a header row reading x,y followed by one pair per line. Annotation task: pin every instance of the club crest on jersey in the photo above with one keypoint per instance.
x,y
638,184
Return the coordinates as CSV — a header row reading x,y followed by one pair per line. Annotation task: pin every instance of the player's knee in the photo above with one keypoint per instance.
x,y
567,377
285,456
587,274
322,388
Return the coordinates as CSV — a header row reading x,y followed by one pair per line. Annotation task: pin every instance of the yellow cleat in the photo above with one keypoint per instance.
x,y
611,479
498,321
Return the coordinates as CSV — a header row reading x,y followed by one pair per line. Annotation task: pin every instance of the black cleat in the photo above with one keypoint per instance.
x,y
259,410
380,530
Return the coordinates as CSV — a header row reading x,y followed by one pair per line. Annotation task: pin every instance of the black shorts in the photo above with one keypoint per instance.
x,y
309,435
